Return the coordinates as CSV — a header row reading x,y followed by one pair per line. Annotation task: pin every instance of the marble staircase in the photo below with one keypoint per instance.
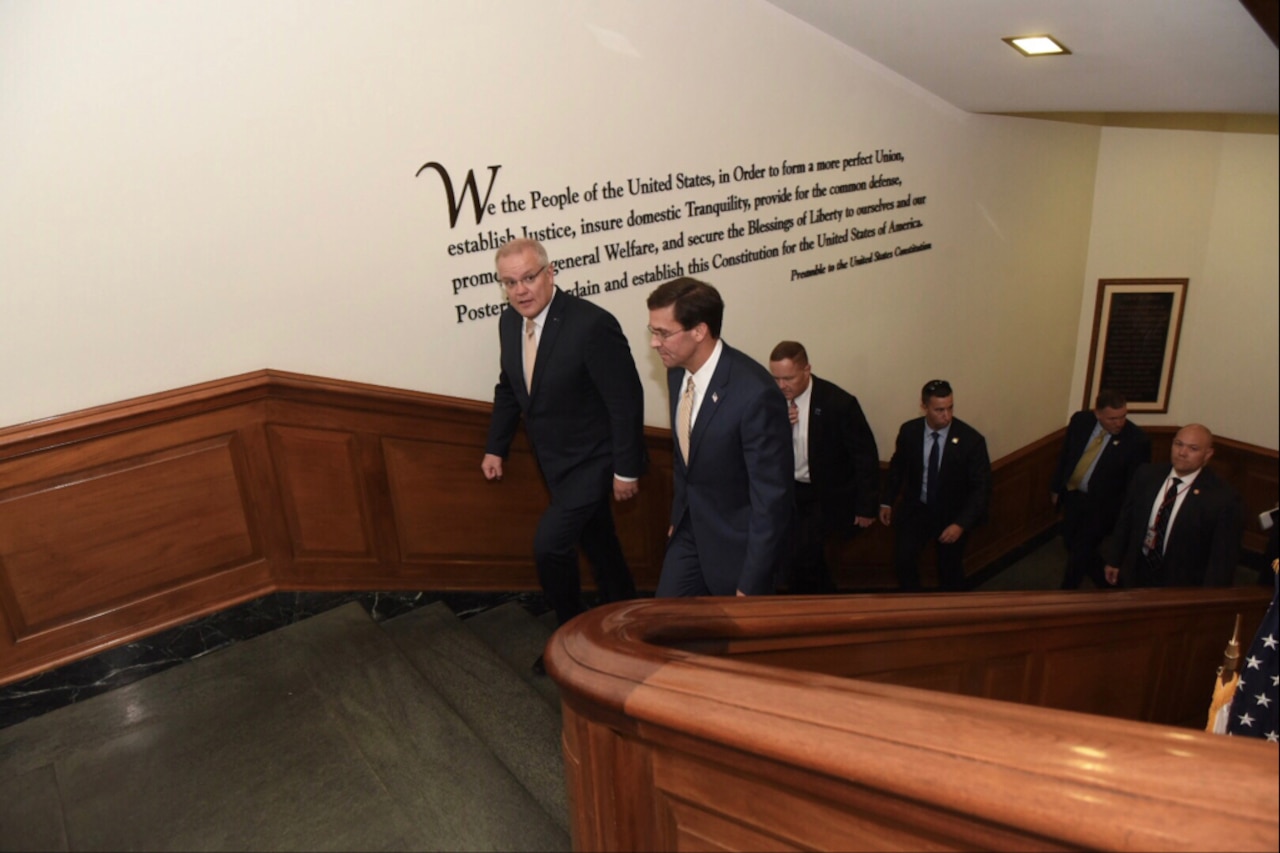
x,y
422,732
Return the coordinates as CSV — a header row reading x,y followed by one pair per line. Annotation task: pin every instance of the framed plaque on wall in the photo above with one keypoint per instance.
x,y
1136,324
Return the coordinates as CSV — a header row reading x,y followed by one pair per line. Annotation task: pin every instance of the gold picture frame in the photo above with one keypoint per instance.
x,y
1136,326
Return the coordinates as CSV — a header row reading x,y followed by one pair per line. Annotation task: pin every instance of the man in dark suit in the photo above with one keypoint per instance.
x,y
1100,453
1180,524
732,463
837,468
941,465
583,411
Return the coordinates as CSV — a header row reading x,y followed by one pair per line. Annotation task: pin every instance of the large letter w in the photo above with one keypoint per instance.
x,y
455,202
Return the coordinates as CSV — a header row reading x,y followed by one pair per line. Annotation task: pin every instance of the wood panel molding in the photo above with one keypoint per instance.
x,y
126,519
800,723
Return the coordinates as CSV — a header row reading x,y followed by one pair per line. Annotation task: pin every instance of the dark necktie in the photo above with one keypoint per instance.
x,y
931,484
1161,525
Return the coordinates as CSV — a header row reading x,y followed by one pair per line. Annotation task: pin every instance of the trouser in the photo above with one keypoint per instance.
x,y
555,550
1083,530
917,526
806,571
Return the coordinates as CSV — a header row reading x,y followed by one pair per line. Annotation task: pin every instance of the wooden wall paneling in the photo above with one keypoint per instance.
x,y
468,532
1020,505
323,493
350,486
104,539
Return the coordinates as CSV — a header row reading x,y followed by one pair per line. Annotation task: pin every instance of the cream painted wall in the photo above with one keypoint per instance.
x,y
199,188
1202,206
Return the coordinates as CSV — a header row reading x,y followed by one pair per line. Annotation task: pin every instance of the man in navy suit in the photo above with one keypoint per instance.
x,y
941,464
1100,453
567,368
1180,524
732,464
837,469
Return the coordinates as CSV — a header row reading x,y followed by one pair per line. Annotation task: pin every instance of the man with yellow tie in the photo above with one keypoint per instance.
x,y
567,371
1100,453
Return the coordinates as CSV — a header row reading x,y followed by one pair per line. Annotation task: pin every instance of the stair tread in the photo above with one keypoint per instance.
x,y
518,637
504,709
317,736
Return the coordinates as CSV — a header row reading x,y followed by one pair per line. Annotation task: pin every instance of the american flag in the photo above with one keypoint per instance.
x,y
1257,700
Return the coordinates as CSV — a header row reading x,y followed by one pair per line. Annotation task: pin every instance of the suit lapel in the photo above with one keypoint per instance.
x,y
1192,504
550,334
713,397
915,443
510,330
817,399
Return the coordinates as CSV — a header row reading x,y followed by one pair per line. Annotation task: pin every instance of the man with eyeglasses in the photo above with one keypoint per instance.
x,y
567,369
941,468
732,460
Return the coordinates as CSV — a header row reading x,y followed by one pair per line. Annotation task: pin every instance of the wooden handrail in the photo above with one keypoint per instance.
x,y
676,728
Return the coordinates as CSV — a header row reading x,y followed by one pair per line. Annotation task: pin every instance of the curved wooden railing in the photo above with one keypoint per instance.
x,y
785,723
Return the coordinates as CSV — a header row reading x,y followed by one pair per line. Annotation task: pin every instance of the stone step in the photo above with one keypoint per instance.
x,y
318,736
518,638
497,702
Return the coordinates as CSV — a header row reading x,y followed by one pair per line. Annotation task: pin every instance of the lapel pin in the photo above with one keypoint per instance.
x,y
955,440
715,398
1115,442
1195,491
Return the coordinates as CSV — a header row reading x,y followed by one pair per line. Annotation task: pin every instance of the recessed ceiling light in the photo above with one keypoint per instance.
x,y
1036,45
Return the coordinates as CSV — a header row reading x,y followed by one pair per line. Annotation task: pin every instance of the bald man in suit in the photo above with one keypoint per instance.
x,y
1180,524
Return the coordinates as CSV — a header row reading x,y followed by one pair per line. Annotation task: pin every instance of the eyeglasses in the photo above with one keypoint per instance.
x,y
527,281
664,334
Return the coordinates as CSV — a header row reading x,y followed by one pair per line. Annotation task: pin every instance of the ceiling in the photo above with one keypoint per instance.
x,y
1127,56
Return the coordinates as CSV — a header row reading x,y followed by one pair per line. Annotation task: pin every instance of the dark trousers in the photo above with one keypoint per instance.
x,y
917,525
1083,529
681,568
805,571
555,551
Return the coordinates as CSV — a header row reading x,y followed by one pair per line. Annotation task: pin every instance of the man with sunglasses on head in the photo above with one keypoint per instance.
x,y
941,467
567,369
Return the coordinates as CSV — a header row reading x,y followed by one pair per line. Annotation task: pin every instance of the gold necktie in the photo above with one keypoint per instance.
x,y
684,419
530,351
1086,459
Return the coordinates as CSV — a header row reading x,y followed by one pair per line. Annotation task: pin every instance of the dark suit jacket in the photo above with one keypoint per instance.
x,y
585,415
964,475
844,466
739,489
1202,547
1121,456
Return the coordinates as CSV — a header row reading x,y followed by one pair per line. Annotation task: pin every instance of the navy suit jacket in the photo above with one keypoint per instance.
x,y
1120,458
964,475
1202,546
739,487
844,465
585,413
